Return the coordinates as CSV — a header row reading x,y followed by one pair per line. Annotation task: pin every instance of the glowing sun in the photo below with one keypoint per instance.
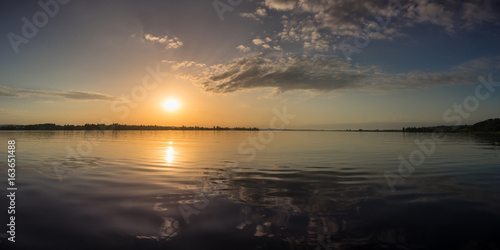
x,y
171,104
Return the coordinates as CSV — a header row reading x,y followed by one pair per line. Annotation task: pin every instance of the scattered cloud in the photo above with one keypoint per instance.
x,y
318,27
334,21
306,32
170,43
65,94
339,18
251,16
264,43
257,15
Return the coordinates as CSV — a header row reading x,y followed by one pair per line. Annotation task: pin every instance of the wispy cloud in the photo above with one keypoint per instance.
x,y
283,74
65,94
324,74
452,15
170,43
184,64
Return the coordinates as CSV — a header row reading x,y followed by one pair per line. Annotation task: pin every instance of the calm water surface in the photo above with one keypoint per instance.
x,y
303,190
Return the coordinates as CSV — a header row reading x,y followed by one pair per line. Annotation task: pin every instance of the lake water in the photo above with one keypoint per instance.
x,y
202,190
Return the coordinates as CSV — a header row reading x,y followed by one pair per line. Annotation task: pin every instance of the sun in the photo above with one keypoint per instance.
x,y
171,104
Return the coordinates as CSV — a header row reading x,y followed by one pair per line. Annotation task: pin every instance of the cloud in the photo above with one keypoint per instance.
x,y
422,11
65,94
243,49
313,28
307,32
258,41
257,15
474,14
184,64
283,74
280,4
453,15
263,43
337,21
251,16
341,17
324,74
170,43
261,12
321,45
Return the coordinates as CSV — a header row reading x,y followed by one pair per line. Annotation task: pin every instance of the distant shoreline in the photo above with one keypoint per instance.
x,y
490,126
284,130
52,126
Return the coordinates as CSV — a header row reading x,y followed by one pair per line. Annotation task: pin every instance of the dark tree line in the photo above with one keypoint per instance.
x,y
114,126
487,126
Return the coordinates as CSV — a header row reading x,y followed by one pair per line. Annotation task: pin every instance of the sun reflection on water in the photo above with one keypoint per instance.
x,y
170,154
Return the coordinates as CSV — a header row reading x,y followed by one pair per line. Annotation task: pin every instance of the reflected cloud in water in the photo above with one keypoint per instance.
x,y
168,229
306,190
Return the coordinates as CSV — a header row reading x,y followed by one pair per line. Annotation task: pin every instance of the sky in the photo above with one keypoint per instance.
x,y
329,64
